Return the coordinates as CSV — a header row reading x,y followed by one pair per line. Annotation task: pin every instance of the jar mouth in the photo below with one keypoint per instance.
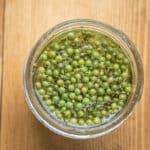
x,y
93,131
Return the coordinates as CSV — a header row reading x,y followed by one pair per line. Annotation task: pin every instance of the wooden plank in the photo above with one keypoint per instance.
x,y
1,49
146,94
25,21
1,53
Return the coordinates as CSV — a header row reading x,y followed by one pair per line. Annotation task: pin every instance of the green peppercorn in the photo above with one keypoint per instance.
x,y
128,89
96,120
68,68
92,91
73,120
59,115
52,54
55,73
95,54
77,91
41,69
56,46
41,92
78,106
122,97
88,63
71,35
59,58
61,103
78,76
95,72
107,98
49,72
101,91
81,122
79,97
74,63
113,105
81,62
60,82
70,51
48,102
69,105
67,113
89,122
115,66
61,89
83,77
52,108
72,95
86,101
84,90
80,113
38,85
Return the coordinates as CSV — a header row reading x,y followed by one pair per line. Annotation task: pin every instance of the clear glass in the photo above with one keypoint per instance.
x,y
77,132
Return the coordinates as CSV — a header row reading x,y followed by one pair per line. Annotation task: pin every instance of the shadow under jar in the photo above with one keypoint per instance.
x,y
48,119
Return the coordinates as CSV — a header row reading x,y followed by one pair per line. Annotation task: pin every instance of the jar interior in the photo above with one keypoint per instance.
x,y
49,120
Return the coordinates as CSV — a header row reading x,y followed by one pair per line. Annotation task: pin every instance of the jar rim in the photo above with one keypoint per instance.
x,y
138,62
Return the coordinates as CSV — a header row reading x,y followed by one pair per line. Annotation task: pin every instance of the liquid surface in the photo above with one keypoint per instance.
x,y
83,77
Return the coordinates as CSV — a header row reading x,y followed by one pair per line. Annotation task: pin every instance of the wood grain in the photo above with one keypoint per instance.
x,y
25,21
1,45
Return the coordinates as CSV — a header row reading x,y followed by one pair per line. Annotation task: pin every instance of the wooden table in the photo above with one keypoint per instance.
x,y
21,24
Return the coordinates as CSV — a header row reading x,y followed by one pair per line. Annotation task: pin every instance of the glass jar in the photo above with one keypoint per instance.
x,y
83,132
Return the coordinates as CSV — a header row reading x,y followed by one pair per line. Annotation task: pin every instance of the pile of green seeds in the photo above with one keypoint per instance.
x,y
83,77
